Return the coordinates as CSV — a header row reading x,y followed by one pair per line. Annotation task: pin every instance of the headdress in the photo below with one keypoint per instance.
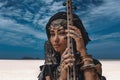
x,y
76,22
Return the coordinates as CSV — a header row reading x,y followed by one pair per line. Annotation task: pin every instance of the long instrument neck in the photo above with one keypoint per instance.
x,y
71,72
69,12
69,22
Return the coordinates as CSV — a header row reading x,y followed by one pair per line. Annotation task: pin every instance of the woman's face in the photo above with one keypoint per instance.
x,y
58,39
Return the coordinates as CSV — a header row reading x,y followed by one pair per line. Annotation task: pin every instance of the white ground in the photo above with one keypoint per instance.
x,y
29,69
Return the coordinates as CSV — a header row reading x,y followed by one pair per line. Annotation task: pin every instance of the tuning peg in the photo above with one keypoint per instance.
x,y
75,8
64,4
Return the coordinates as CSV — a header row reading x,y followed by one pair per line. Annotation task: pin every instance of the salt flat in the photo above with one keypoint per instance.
x,y
29,69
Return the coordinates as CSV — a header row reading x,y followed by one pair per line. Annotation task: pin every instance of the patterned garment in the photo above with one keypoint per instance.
x,y
52,63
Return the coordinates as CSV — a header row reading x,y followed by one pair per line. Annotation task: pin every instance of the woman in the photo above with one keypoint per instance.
x,y
57,60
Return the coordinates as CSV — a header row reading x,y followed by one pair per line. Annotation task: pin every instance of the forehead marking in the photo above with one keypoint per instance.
x,y
59,27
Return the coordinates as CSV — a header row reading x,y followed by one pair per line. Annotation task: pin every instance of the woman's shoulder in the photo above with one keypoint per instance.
x,y
96,61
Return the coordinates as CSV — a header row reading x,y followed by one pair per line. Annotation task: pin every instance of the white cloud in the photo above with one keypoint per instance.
x,y
107,12
43,22
1,4
18,39
10,25
41,18
47,1
56,6
115,35
109,7
27,16
11,38
17,34
103,45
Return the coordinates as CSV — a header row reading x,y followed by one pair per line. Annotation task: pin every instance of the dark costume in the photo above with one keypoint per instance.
x,y
52,58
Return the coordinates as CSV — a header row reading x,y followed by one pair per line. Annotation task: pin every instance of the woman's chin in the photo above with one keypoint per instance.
x,y
57,49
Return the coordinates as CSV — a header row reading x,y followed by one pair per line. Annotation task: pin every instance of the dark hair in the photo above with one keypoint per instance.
x,y
76,22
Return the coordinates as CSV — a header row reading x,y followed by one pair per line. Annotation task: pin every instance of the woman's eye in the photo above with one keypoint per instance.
x,y
52,34
62,33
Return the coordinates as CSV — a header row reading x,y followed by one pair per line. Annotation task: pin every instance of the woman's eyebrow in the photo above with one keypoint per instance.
x,y
61,29
51,30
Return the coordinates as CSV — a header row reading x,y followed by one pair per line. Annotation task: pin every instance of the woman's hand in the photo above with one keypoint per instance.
x,y
66,62
75,33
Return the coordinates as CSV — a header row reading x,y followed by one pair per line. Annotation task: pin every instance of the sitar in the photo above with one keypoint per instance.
x,y
71,74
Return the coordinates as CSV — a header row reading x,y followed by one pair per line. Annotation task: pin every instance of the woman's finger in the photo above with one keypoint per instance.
x,y
66,50
69,60
73,28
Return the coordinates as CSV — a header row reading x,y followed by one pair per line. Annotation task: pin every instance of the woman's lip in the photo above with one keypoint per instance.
x,y
56,45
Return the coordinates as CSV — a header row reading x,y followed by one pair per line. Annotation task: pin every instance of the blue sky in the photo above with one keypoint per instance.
x,y
22,26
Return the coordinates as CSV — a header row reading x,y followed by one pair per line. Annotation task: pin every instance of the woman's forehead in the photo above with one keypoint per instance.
x,y
59,28
58,24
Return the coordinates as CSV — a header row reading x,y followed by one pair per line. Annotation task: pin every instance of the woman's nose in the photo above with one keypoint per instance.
x,y
56,38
